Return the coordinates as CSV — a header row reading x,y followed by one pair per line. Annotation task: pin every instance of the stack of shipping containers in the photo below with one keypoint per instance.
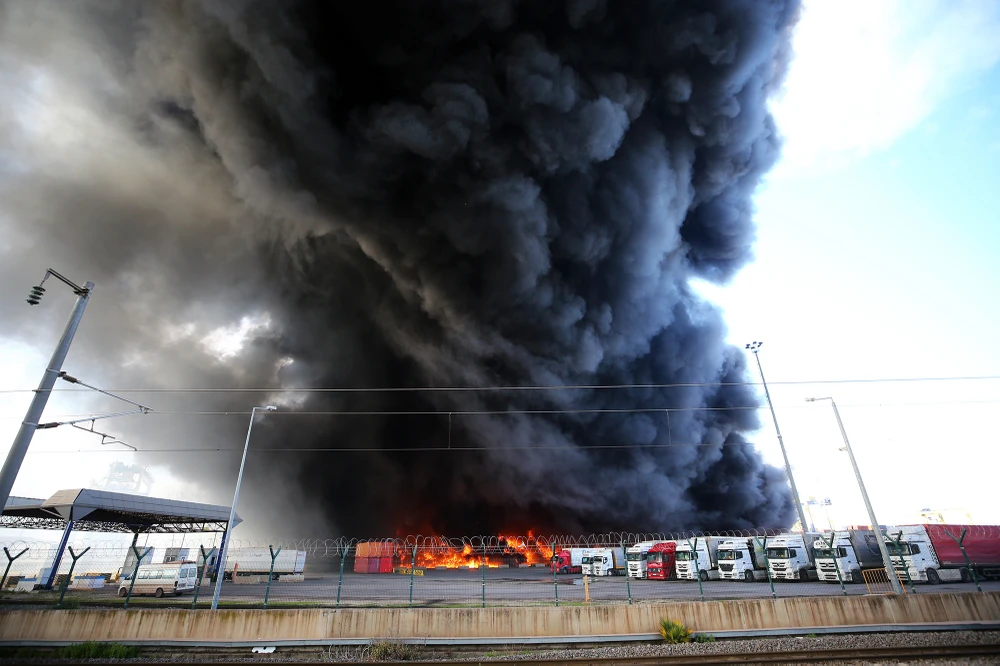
x,y
374,557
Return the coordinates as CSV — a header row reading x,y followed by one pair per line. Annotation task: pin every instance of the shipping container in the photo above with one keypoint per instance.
x,y
361,565
385,565
373,564
375,549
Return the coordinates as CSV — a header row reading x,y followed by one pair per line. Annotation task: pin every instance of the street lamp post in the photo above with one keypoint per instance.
x,y
889,570
755,347
220,565
12,465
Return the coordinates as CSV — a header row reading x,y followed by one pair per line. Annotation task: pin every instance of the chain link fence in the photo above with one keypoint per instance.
x,y
420,572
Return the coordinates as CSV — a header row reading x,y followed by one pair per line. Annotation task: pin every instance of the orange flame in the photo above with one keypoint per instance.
x,y
508,551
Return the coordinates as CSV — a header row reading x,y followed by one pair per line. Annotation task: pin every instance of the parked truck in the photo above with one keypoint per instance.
x,y
660,561
608,561
851,552
741,559
587,561
637,557
790,556
700,562
257,562
929,554
568,561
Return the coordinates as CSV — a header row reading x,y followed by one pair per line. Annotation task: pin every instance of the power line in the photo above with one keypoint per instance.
x,y
552,387
529,412
374,449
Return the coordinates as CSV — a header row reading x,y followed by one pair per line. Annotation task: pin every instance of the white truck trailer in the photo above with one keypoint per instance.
x,y
701,562
790,556
929,554
851,552
608,561
741,559
636,556
257,562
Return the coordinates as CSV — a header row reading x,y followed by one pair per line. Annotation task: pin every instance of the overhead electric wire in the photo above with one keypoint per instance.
x,y
551,387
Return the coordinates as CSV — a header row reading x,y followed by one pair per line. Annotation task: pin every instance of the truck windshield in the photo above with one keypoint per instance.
x,y
831,553
634,557
777,553
655,557
903,548
728,555
684,555
587,559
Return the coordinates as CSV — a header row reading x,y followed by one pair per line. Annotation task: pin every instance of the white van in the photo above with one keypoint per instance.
x,y
160,579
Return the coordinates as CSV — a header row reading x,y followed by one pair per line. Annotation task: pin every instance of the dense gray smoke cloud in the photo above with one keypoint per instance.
x,y
410,194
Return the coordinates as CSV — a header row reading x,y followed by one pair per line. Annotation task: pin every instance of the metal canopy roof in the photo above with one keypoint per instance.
x,y
105,511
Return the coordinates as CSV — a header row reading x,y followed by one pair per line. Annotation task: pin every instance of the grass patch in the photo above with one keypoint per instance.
x,y
70,603
674,632
96,650
387,649
703,638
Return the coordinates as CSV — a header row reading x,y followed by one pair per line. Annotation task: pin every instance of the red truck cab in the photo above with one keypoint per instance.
x,y
660,561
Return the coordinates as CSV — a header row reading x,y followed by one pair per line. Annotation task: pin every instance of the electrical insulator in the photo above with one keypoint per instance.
x,y
36,295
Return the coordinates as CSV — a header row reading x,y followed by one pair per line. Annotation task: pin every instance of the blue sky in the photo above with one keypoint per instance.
x,y
876,258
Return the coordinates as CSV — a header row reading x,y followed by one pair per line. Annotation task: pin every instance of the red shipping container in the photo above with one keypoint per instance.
x,y
361,565
385,565
373,564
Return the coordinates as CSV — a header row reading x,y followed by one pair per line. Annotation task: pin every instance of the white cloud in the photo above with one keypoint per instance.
x,y
865,73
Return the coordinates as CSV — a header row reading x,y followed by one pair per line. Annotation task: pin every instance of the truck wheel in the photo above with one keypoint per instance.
x,y
933,578
803,576
966,576
856,576
159,592
748,576
122,592
703,575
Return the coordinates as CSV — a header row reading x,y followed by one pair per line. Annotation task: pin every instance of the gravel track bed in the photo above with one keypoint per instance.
x,y
514,652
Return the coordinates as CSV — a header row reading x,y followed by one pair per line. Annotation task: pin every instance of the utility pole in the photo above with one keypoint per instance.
x,y
890,571
19,448
754,347
220,565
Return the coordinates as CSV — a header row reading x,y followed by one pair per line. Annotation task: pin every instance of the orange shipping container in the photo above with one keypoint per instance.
x,y
375,549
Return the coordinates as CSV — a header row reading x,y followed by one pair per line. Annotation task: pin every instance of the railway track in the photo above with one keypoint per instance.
x,y
842,655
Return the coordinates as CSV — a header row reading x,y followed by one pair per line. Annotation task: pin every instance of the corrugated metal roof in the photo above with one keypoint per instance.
x,y
99,506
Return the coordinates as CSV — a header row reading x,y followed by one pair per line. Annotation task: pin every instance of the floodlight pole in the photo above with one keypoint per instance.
x,y
12,465
890,571
755,347
220,565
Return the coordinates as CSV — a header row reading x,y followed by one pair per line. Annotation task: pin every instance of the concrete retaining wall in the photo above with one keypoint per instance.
x,y
321,624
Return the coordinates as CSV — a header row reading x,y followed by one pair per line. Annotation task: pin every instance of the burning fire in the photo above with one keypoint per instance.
x,y
507,551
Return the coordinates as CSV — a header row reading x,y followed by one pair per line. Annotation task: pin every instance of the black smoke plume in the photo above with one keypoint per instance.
x,y
449,193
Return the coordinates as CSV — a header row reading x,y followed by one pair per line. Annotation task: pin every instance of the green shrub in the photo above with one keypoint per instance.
x,y
704,638
674,632
70,603
96,650
391,650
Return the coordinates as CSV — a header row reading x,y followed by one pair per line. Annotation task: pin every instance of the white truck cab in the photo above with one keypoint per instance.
x,y
636,557
700,562
741,559
790,556
587,561
851,552
608,561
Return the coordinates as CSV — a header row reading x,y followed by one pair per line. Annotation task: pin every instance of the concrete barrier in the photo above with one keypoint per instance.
x,y
324,624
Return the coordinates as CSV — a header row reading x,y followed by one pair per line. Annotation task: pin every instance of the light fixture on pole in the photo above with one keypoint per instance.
x,y
889,569
12,465
220,565
755,347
